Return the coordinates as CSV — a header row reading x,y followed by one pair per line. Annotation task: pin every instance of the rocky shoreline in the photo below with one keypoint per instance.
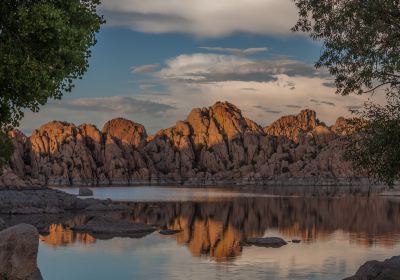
x,y
43,200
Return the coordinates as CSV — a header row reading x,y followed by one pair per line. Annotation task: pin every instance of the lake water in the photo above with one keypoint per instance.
x,y
337,235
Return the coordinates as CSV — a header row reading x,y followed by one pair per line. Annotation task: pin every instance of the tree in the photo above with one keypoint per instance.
x,y
6,148
361,49
44,47
375,147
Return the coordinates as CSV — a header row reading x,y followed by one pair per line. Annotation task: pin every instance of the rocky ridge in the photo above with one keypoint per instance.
x,y
213,145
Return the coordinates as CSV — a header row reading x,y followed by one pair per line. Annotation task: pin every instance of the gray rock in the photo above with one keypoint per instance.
x,y
169,231
85,192
38,201
270,242
18,253
375,270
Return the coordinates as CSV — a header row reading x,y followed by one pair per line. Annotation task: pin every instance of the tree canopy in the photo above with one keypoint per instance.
x,y
44,47
376,148
361,49
361,41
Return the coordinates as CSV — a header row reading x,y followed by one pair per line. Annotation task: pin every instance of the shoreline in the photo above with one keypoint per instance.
x,y
198,182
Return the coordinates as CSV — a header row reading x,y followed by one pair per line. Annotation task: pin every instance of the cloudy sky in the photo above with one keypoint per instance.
x,y
157,59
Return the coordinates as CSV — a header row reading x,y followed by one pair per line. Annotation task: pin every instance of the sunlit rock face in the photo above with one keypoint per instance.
x,y
212,145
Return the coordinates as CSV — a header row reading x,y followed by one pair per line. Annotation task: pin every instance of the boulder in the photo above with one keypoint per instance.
x,y
18,253
85,192
389,269
269,242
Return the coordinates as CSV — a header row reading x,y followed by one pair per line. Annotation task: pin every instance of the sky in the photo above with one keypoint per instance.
x,y
155,60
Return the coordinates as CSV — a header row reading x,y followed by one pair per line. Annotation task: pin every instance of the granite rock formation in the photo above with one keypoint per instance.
x,y
215,144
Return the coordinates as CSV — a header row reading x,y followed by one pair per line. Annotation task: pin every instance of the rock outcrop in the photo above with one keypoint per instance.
x,y
213,145
14,201
375,270
18,253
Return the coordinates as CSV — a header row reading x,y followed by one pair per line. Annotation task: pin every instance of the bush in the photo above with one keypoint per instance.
x,y
6,148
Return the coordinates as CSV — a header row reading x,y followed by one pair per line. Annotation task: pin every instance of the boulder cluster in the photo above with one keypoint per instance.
x,y
213,145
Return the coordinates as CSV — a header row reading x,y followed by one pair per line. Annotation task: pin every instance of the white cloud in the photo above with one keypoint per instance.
x,y
147,68
206,18
235,51
263,88
207,68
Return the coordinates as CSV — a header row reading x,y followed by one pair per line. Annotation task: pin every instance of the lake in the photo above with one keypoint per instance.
x,y
338,234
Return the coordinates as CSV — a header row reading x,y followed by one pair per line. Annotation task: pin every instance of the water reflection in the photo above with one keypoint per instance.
x,y
217,229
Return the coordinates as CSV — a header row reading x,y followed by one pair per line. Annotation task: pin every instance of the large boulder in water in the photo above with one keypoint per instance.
x,y
375,270
18,253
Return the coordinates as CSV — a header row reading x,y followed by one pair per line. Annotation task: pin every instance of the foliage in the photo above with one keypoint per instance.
x,y
375,148
44,46
361,41
6,148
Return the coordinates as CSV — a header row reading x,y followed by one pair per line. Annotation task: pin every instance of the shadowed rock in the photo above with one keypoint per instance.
x,y
169,231
269,242
85,192
18,253
375,270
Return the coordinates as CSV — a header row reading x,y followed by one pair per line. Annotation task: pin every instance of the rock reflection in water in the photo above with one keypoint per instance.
x,y
60,235
217,229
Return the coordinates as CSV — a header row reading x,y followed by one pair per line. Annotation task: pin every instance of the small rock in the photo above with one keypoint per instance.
x,y
85,192
270,242
296,241
169,231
